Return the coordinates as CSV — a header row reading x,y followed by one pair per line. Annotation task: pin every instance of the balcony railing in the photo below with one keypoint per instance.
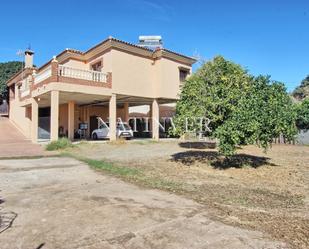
x,y
24,93
44,74
81,74
24,88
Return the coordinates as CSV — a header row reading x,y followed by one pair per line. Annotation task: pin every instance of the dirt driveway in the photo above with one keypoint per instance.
x,y
62,203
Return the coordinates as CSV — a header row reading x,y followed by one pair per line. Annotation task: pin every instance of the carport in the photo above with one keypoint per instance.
x,y
57,114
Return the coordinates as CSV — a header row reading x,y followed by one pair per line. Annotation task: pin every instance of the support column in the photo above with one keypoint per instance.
x,y
87,120
54,115
149,124
112,117
155,119
34,120
126,112
71,110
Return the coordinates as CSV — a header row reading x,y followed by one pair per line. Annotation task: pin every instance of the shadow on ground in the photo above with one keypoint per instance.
x,y
40,246
214,159
198,145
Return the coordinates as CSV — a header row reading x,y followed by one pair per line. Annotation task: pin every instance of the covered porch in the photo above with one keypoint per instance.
x,y
57,114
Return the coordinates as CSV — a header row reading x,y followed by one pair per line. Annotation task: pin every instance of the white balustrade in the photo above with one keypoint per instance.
x,y
24,88
83,74
24,93
42,75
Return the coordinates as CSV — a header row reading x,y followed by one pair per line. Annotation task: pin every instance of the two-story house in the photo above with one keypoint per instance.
x,y
75,87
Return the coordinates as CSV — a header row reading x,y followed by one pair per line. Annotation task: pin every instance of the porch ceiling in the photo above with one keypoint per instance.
x,y
79,98
83,99
136,101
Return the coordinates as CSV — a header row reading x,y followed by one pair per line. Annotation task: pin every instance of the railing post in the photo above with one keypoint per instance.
x,y
109,79
32,79
54,69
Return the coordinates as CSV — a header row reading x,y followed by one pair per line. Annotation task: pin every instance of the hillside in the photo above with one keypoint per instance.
x,y
7,69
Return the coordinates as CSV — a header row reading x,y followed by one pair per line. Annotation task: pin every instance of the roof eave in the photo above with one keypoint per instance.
x,y
13,78
111,43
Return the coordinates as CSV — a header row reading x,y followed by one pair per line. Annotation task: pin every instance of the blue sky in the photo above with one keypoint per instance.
x,y
266,37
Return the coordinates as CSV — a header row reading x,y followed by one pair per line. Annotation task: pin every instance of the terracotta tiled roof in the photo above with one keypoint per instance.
x,y
127,43
170,51
74,50
26,72
117,40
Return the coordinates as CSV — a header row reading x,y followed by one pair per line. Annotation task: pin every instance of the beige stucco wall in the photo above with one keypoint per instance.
x,y
20,117
75,64
168,81
100,111
142,77
103,112
136,75
132,75
79,117
106,58
63,116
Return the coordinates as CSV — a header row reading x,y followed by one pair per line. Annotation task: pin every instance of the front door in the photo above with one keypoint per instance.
x,y
44,123
93,123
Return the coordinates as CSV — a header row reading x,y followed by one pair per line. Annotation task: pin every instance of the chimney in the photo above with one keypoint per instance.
x,y
29,58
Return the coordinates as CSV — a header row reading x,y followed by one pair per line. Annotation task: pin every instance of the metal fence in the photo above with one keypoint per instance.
x,y
301,138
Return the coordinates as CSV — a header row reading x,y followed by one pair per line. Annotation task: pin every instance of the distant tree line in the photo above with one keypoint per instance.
x,y
301,94
7,70
302,91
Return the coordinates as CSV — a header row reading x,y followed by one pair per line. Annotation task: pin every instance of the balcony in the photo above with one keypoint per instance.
x,y
24,89
55,72
24,93
82,74
42,75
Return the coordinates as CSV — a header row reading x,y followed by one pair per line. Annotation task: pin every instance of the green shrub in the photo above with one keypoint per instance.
x,y
60,144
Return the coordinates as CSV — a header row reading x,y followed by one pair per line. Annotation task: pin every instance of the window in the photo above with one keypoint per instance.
x,y
183,73
97,66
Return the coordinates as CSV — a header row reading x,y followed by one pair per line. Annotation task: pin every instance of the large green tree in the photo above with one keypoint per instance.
x,y
7,70
242,109
302,121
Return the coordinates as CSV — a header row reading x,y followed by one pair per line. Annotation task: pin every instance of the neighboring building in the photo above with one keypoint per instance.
x,y
75,87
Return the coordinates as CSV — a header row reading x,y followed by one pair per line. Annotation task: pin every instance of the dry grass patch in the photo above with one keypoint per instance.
x,y
266,192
